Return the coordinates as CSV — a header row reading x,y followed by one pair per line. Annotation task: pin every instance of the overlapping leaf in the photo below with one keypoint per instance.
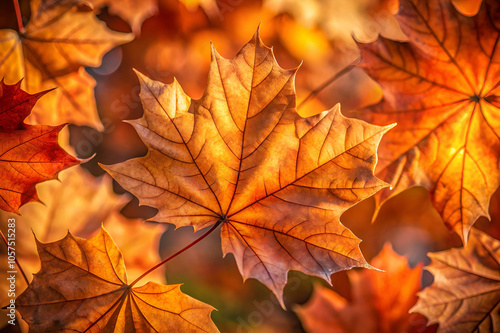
x,y
82,287
242,156
465,294
380,303
442,88
29,154
51,54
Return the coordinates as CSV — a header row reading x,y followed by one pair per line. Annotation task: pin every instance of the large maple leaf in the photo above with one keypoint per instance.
x,y
465,294
382,299
242,157
51,53
29,154
82,287
442,88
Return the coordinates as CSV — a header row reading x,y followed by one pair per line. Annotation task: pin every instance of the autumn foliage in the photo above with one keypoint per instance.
x,y
217,150
30,153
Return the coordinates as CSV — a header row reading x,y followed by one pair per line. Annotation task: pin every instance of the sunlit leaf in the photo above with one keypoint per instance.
x,y
242,156
441,87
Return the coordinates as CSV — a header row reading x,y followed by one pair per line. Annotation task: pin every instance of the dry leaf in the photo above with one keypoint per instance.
x,y
51,54
243,157
465,294
442,89
380,300
82,286
29,154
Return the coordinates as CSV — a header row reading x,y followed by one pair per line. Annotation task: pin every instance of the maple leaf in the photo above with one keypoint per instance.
x,y
442,90
133,12
382,299
82,286
242,157
29,154
51,53
465,294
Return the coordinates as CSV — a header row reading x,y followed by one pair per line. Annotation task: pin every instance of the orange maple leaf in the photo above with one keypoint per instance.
x,y
465,294
51,53
82,287
442,88
381,299
242,157
29,154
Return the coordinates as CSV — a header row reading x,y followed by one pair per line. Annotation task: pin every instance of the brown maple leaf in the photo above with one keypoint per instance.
x,y
29,154
51,53
381,299
442,88
465,294
242,157
82,286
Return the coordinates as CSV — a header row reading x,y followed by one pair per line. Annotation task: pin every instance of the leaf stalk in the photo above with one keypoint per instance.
x,y
219,222
15,259
18,17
